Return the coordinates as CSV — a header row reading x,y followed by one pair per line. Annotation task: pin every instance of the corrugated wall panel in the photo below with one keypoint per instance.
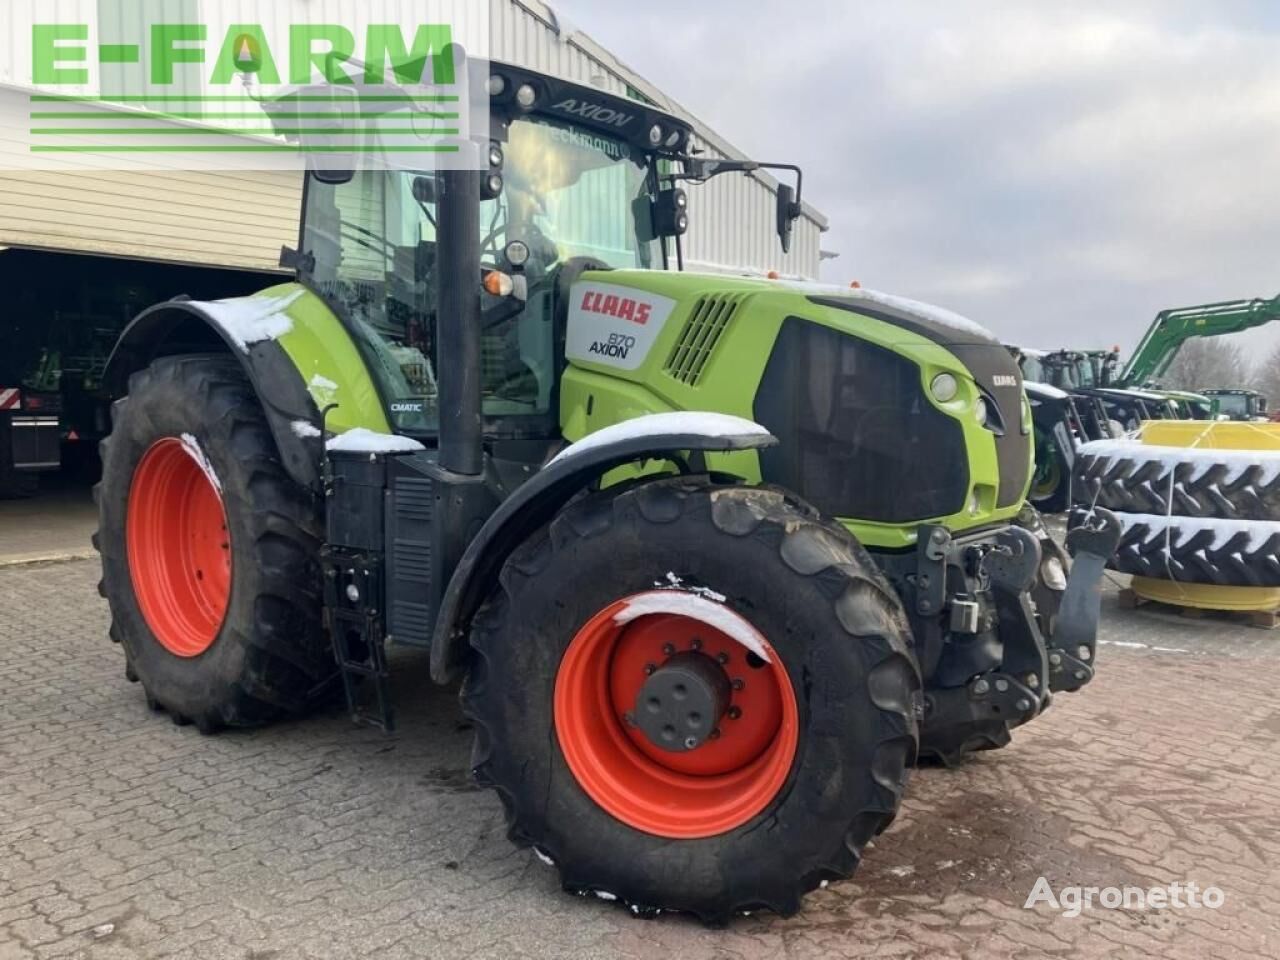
x,y
220,219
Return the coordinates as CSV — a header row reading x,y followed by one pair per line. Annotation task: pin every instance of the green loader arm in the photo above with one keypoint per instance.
x,y
1172,328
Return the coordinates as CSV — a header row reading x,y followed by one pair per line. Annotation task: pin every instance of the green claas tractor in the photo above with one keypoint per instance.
x,y
714,558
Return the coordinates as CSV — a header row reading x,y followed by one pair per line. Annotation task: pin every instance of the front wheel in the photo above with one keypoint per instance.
x,y
665,671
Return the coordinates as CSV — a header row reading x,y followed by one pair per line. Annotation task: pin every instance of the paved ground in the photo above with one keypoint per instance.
x,y
54,525
124,836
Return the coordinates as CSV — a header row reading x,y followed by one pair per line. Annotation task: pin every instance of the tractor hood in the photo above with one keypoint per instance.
x,y
857,385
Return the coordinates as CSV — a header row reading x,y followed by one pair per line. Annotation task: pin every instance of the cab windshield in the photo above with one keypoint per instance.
x,y
1033,369
1233,404
568,193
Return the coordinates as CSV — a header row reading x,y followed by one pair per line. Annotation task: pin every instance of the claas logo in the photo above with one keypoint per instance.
x,y
611,305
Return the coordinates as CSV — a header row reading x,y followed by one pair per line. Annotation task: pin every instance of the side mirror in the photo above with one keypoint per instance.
x,y
788,212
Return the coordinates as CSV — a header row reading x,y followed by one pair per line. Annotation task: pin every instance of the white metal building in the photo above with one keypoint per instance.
x,y
241,219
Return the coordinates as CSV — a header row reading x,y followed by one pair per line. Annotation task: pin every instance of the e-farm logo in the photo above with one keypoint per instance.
x,y
59,50
108,80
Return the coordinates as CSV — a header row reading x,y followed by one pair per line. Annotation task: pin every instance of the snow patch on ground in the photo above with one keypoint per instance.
x,y
1201,459
681,421
698,608
1133,645
361,440
902,871
193,448
305,429
248,320
1183,528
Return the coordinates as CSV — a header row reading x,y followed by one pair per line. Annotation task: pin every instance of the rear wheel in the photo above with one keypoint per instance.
x,y
664,671
209,549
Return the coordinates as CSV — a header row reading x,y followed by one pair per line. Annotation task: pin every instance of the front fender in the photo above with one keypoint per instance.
x,y
655,436
293,349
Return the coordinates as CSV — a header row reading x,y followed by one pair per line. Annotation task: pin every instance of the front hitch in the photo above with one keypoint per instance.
x,y
1073,645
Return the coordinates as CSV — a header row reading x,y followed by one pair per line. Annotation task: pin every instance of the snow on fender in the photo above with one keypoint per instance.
x,y
682,422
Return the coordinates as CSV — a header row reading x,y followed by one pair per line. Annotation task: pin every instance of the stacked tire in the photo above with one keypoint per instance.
x,y
1192,515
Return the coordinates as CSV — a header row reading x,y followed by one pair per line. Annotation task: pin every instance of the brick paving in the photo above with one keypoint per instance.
x,y
124,836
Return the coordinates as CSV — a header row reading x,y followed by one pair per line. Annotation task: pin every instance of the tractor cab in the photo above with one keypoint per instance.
x,y
1238,404
569,185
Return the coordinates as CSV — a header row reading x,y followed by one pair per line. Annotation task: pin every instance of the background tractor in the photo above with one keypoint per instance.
x,y
708,554
1237,404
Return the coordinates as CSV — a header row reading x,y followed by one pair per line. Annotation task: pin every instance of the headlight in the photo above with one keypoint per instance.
x,y
944,387
526,95
975,505
980,410
495,155
496,86
517,253
655,135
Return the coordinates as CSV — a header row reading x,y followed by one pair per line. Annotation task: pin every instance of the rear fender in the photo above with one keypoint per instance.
x,y
659,436
294,350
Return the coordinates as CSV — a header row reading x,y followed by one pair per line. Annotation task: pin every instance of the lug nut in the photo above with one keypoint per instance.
x,y
980,687
649,669
1033,681
735,713
1055,659
669,648
690,742
695,644
722,657
1002,685
739,683
1083,652
714,734
1023,705
1080,674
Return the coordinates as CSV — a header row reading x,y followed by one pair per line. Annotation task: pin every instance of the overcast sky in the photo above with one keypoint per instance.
x,y
1058,172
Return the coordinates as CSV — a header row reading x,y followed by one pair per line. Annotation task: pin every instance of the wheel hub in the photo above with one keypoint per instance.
x,y
680,704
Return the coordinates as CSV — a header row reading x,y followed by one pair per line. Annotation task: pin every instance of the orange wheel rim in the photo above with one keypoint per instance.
x,y
720,784
179,548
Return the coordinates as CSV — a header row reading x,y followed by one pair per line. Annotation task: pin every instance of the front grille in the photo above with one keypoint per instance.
x,y
858,438
707,323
